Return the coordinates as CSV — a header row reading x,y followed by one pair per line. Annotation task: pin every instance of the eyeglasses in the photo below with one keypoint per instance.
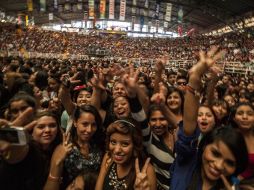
x,y
125,122
181,83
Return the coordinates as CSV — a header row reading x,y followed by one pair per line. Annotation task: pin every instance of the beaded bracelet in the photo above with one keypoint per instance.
x,y
192,90
56,179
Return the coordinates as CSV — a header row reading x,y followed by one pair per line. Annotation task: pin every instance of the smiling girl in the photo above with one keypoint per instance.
x,y
119,170
220,154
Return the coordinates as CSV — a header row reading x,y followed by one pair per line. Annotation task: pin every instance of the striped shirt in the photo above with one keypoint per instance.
x,y
161,156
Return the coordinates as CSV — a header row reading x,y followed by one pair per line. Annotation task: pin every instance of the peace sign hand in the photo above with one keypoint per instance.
x,y
206,61
63,149
130,81
141,182
227,185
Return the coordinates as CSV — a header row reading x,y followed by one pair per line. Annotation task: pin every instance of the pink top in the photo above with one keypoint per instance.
x,y
249,171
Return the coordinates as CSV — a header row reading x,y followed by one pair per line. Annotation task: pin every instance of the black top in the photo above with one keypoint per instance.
x,y
29,174
112,182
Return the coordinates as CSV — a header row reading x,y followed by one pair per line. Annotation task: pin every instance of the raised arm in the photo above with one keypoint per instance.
x,y
191,103
159,68
133,90
65,97
13,154
56,166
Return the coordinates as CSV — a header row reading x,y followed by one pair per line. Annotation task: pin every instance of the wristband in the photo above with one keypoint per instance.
x,y
192,90
56,179
235,180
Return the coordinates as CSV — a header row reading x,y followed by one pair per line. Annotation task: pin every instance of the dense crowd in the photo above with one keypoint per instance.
x,y
239,46
100,124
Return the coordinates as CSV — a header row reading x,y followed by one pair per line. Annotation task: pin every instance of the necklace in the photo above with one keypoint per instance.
x,y
117,184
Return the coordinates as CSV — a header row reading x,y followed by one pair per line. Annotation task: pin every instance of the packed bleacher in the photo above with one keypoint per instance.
x,y
107,123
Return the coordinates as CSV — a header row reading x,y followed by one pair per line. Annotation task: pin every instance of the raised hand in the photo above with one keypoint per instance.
x,y
141,182
130,81
62,150
159,98
227,185
160,63
98,81
206,61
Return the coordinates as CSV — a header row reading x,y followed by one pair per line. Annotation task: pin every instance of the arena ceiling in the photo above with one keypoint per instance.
x,y
203,15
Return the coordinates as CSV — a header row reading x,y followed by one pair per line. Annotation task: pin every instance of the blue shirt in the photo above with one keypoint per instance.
x,y
186,160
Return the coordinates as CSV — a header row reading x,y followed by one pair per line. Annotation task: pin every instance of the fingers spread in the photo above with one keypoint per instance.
x,y
226,182
30,126
23,117
144,169
137,166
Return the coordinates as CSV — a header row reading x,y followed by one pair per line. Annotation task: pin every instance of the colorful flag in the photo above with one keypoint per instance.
x,y
102,9
191,31
180,30
122,10
30,5
42,5
149,26
27,20
146,8
165,24
180,15
157,9
55,4
91,9
111,9
51,16
133,22
142,22
157,23
168,12
79,6
133,9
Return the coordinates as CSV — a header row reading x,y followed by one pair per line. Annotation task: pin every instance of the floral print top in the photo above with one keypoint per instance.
x,y
75,163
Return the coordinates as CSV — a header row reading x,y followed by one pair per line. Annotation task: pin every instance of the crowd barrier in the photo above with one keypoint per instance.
x,y
237,67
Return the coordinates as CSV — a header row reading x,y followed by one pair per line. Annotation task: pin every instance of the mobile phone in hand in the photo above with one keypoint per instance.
x,y
14,135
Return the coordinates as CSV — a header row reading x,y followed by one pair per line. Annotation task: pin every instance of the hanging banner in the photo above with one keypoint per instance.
x,y
91,9
85,19
146,8
122,10
142,22
79,6
55,4
180,15
67,7
157,23
180,30
30,5
165,24
111,9
132,23
190,32
168,12
149,26
157,9
42,5
102,9
27,20
51,16
19,20
134,5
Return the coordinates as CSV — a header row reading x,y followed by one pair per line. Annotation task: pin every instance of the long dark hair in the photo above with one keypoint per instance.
x,y
98,137
234,140
128,127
